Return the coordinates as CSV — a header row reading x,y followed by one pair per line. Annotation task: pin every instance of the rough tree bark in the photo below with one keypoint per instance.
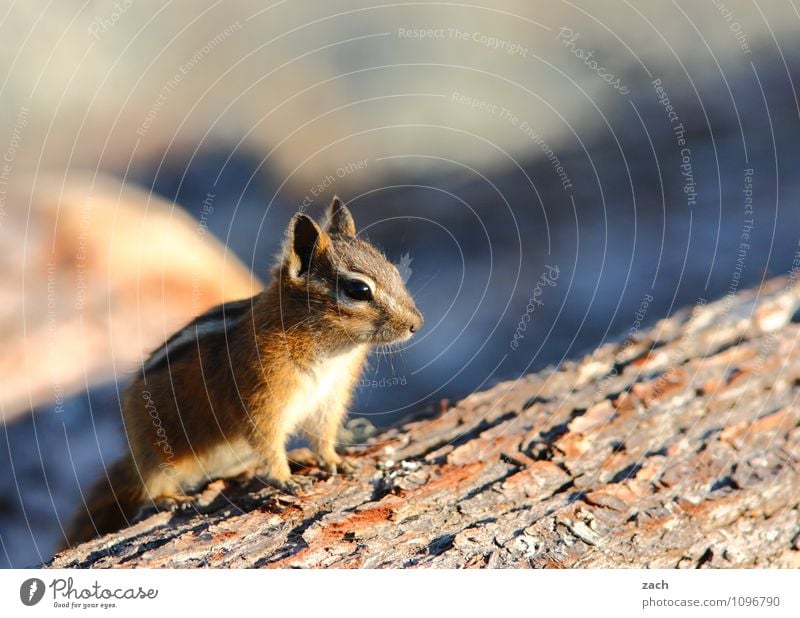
x,y
675,449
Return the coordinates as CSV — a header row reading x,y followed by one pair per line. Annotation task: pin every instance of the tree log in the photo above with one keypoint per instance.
x,y
674,448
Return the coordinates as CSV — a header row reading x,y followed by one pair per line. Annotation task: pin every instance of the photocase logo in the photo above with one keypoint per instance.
x,y
31,591
405,267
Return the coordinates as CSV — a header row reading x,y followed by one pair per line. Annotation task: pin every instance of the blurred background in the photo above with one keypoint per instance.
x,y
552,174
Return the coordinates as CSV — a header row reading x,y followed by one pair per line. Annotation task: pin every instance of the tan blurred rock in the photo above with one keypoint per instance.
x,y
95,275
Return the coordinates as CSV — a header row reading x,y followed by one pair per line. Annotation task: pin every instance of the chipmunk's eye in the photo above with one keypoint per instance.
x,y
357,289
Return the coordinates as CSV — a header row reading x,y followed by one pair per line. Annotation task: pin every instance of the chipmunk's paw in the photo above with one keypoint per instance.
x,y
293,485
175,503
339,466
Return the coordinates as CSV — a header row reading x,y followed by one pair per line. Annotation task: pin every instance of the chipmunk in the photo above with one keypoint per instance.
x,y
246,375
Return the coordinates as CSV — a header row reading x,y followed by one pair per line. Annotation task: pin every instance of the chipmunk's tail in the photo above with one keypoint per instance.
x,y
111,504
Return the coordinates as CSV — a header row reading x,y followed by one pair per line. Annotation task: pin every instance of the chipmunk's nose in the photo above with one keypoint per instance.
x,y
416,322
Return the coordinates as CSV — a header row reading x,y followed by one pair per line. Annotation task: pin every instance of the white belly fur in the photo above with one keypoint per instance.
x,y
320,388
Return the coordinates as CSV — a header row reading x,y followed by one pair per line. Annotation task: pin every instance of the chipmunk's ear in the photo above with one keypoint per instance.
x,y
340,221
306,241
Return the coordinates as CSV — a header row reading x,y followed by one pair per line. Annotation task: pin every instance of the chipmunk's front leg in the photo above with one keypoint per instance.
x,y
269,441
321,430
